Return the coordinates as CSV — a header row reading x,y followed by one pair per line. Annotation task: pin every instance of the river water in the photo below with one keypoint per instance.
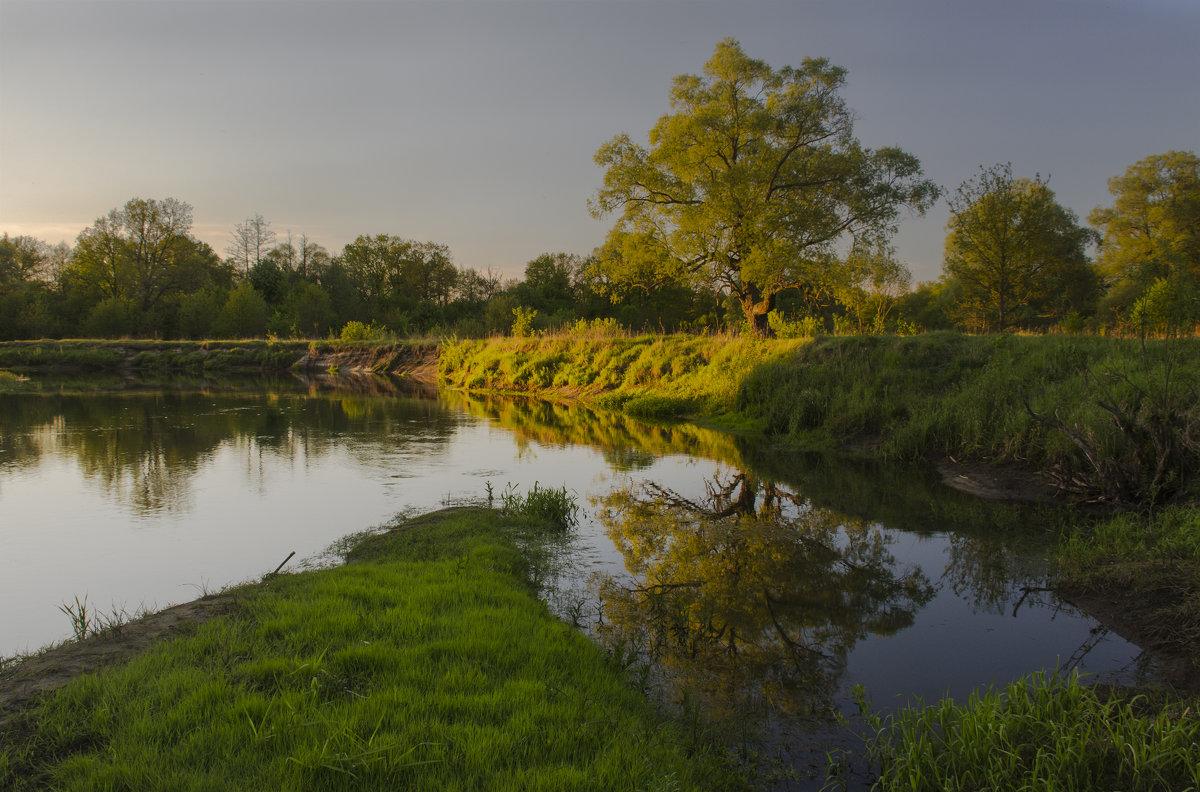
x,y
752,585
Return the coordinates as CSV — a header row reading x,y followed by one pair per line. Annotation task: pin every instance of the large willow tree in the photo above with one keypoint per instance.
x,y
753,184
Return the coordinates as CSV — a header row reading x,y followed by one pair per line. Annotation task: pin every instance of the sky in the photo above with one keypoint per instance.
x,y
474,123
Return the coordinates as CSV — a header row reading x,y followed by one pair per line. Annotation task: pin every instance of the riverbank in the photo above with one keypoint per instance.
x,y
1105,419
416,359
425,661
927,393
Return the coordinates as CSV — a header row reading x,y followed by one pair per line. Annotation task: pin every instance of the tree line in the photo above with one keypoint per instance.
x,y
753,207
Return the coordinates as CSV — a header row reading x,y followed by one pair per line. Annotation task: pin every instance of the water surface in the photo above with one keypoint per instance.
x,y
752,584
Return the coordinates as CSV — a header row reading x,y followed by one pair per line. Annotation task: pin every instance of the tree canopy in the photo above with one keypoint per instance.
x,y
753,184
1152,230
1016,251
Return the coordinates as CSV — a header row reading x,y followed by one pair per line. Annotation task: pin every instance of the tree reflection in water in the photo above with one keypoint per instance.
x,y
749,600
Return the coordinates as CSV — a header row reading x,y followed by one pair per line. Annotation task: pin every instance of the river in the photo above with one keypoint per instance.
x,y
753,585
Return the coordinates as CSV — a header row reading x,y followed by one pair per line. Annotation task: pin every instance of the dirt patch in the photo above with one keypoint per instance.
x,y
52,668
997,482
418,361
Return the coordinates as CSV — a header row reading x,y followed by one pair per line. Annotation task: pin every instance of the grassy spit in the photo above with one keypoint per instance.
x,y
424,662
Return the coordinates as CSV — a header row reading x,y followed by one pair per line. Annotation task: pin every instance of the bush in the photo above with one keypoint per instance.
x,y
112,318
357,331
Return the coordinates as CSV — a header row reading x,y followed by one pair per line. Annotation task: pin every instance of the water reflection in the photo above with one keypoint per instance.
x,y
750,598
144,448
626,443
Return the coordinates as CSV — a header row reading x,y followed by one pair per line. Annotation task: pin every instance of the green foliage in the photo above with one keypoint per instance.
x,y
1017,253
424,663
1038,733
244,314
803,327
357,331
596,328
555,507
1164,308
522,326
750,184
112,317
1109,418
659,376
1152,230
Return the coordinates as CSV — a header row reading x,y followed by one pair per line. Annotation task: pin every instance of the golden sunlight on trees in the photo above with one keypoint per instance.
x,y
1152,234
753,184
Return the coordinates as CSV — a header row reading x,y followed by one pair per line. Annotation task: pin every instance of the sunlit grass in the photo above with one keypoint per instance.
x,y
647,376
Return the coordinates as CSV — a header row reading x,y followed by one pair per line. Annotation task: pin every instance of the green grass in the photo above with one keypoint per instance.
x,y
423,663
645,376
1112,419
948,394
1039,733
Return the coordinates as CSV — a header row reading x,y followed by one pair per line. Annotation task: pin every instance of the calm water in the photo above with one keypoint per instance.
x,y
760,586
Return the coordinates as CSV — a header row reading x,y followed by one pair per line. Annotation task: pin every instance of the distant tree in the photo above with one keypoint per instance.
x,y
23,259
140,253
250,241
752,185
1012,246
309,310
1151,233
28,270
391,272
473,286
112,317
549,284
198,312
875,281
244,314
930,306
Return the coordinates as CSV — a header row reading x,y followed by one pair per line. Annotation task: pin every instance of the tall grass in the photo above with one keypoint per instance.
x,y
646,376
1039,733
1119,420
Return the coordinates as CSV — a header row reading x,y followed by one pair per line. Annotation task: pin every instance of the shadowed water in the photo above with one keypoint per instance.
x,y
750,586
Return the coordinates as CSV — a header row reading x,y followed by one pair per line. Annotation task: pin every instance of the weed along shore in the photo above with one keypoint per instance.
x,y
425,661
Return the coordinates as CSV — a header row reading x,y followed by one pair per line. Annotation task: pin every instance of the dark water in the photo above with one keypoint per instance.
x,y
750,586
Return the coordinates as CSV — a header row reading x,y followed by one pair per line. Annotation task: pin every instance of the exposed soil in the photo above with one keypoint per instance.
x,y
996,482
419,362
54,667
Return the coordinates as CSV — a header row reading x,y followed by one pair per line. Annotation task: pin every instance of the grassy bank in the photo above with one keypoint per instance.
x,y
1114,420
215,357
643,376
425,662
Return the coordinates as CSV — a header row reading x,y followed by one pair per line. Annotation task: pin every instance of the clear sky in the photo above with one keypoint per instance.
x,y
473,123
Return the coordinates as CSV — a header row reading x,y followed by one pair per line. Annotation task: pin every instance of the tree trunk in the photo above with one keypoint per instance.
x,y
756,309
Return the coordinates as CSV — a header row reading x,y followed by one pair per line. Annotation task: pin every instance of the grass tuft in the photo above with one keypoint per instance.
x,y
1041,732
